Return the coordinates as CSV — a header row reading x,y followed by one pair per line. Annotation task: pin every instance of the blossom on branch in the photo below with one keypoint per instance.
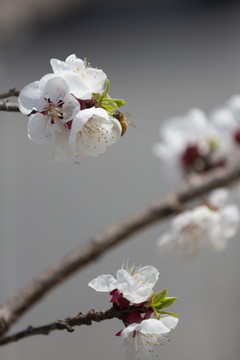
x,y
205,227
134,285
72,107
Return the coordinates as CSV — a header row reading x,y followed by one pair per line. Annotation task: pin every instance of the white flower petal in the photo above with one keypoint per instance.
x,y
149,273
105,283
38,128
83,80
126,284
78,86
230,220
128,331
158,327
218,197
169,321
30,98
54,88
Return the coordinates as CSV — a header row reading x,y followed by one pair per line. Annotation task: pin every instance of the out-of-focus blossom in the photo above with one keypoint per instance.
x,y
141,339
191,144
206,227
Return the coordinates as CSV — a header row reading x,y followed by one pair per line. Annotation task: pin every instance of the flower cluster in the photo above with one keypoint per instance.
x,y
72,108
133,289
206,227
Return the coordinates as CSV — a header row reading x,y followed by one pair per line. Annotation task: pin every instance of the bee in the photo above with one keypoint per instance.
x,y
122,118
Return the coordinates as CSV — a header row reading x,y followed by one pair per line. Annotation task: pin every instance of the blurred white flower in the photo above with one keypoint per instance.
x,y
205,227
92,131
191,144
53,104
82,79
135,284
141,339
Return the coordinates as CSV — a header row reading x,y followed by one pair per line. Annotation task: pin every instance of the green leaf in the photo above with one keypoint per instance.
x,y
119,102
157,298
157,314
166,302
105,93
167,313
108,104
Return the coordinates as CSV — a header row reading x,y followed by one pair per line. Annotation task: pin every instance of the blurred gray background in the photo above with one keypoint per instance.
x,y
162,57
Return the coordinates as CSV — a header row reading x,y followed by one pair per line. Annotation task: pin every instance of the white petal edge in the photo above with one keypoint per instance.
x,y
104,283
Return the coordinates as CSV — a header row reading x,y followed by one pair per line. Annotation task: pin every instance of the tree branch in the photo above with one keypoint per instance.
x,y
10,92
95,247
68,323
8,106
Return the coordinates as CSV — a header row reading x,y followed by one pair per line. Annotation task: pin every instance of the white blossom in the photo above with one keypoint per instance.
x,y
54,106
82,79
92,131
204,227
141,339
191,143
135,284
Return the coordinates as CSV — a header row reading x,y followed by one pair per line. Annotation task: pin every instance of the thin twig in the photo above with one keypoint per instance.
x,y
67,324
115,235
10,92
8,106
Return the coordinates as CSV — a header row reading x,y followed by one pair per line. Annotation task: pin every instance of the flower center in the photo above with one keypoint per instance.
x,y
193,160
53,110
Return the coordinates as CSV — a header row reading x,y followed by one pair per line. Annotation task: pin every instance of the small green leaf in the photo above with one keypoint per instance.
x,y
105,93
157,298
166,302
157,314
119,102
167,313
108,104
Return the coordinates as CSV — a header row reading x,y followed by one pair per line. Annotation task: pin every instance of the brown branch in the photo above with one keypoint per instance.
x,y
68,323
8,106
115,235
10,92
